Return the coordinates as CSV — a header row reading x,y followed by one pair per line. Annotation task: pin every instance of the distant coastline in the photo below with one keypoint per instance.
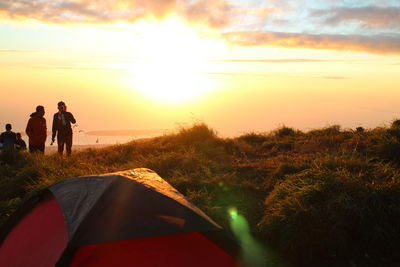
x,y
129,132
120,132
76,148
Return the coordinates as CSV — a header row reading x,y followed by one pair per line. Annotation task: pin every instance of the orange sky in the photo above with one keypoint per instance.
x,y
182,67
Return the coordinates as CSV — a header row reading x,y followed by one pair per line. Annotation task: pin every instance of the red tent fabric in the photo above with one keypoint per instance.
x,y
39,238
178,250
131,218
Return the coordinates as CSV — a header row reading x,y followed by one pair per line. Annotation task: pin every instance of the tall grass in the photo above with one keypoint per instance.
x,y
339,208
327,197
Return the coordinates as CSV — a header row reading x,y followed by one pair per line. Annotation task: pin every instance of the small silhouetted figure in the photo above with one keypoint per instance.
x,y
62,128
8,138
20,144
37,130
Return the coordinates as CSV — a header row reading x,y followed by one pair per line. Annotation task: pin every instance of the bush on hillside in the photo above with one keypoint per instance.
x,y
340,208
12,157
389,149
253,138
395,123
277,146
286,131
389,146
327,131
195,134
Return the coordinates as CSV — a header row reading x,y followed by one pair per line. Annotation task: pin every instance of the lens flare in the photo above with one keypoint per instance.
x,y
252,252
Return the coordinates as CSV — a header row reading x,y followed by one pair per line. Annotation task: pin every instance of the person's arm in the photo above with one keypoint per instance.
x,y
71,118
54,128
15,138
28,129
45,129
1,138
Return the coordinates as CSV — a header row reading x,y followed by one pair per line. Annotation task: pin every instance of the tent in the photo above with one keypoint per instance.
x,y
130,218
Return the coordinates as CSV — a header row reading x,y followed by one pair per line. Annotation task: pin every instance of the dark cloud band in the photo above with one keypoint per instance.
x,y
220,14
381,44
370,16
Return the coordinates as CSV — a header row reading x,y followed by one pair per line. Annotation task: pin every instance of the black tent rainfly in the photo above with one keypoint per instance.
x,y
130,218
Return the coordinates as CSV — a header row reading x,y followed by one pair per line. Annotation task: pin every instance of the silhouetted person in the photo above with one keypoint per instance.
x,y
8,138
37,130
20,144
62,128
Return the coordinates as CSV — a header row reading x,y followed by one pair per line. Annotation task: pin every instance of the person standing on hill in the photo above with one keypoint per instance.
x,y
37,130
62,128
8,138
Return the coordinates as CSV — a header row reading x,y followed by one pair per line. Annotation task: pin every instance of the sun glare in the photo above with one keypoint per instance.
x,y
172,61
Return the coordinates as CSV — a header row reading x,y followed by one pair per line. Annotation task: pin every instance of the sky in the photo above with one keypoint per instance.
x,y
239,66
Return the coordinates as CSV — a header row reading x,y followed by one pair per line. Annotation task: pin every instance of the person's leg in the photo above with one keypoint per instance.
x,y
68,144
60,143
32,148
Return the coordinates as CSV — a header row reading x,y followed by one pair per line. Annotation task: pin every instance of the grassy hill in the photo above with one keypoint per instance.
x,y
327,197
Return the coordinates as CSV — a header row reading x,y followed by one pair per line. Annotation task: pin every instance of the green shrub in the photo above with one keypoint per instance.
x,y
389,145
286,168
330,130
334,211
395,123
253,138
286,131
12,157
199,132
389,149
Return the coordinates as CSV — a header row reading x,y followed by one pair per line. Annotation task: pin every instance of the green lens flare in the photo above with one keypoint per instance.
x,y
233,213
253,253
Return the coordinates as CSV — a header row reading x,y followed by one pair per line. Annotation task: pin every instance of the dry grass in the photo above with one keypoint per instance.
x,y
328,197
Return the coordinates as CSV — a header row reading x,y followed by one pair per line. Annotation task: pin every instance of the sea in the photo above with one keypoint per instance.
x,y
93,139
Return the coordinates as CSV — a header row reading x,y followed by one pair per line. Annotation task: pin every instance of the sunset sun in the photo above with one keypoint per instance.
x,y
172,62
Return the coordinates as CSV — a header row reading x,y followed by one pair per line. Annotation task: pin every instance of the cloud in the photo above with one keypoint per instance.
x,y
13,51
251,74
285,60
380,44
84,11
214,13
333,77
227,16
370,16
77,68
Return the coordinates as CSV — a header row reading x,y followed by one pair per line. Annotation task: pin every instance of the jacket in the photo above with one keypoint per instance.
x,y
36,130
8,139
62,124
